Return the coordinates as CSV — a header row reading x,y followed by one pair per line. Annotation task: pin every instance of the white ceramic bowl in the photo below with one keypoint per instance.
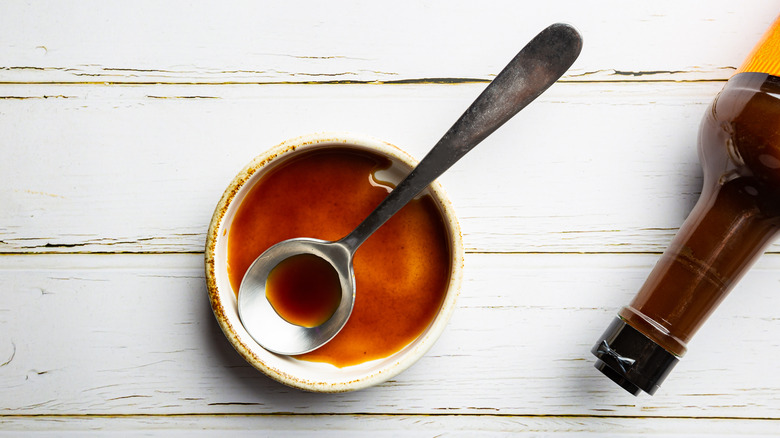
x,y
306,375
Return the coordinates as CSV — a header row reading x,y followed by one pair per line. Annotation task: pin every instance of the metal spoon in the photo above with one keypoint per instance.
x,y
538,65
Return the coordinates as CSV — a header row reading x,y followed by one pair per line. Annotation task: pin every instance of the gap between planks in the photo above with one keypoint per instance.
x,y
389,425
418,81
361,414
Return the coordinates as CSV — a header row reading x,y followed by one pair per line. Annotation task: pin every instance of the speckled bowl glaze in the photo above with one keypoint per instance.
x,y
313,376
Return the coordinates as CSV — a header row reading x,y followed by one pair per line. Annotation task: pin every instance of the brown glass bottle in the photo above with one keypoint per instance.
x,y
736,216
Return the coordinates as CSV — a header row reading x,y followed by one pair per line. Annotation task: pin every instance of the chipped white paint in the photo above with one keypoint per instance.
x,y
134,334
198,42
121,124
359,426
149,164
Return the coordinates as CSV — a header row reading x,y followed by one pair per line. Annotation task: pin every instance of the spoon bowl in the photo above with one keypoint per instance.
x,y
258,314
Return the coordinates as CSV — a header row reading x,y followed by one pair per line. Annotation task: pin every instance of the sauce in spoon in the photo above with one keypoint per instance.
x,y
304,290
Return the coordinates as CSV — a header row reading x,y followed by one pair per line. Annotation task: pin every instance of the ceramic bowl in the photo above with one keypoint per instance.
x,y
306,375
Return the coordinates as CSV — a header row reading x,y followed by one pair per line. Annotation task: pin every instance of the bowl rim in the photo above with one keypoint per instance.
x,y
248,348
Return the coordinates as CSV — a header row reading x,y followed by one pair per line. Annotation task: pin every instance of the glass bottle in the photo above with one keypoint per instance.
x,y
735,218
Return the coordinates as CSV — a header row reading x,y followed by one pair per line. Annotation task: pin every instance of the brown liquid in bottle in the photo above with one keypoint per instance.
x,y
737,215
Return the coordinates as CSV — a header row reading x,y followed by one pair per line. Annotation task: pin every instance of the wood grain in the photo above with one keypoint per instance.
x,y
310,41
586,168
134,334
382,426
121,123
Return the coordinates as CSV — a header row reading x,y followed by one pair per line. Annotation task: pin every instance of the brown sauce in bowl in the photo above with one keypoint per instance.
x,y
401,271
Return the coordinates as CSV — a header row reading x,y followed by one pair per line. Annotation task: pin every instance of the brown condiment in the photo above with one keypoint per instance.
x,y
304,290
736,216
401,271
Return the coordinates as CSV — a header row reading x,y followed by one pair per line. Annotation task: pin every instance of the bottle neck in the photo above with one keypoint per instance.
x,y
722,237
737,215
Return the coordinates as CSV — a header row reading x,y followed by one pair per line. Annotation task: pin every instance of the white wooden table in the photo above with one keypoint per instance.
x,y
122,122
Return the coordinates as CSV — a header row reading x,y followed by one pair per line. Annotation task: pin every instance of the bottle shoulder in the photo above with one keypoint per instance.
x,y
739,137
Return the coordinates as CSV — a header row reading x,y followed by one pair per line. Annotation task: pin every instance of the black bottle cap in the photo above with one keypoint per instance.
x,y
631,359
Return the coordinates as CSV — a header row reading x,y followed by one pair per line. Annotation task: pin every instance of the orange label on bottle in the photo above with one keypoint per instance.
x,y
765,57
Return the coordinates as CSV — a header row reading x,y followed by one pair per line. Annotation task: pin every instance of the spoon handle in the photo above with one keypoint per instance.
x,y
538,65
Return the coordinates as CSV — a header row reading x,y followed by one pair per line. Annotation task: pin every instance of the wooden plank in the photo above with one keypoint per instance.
x,y
381,426
251,42
134,335
586,168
